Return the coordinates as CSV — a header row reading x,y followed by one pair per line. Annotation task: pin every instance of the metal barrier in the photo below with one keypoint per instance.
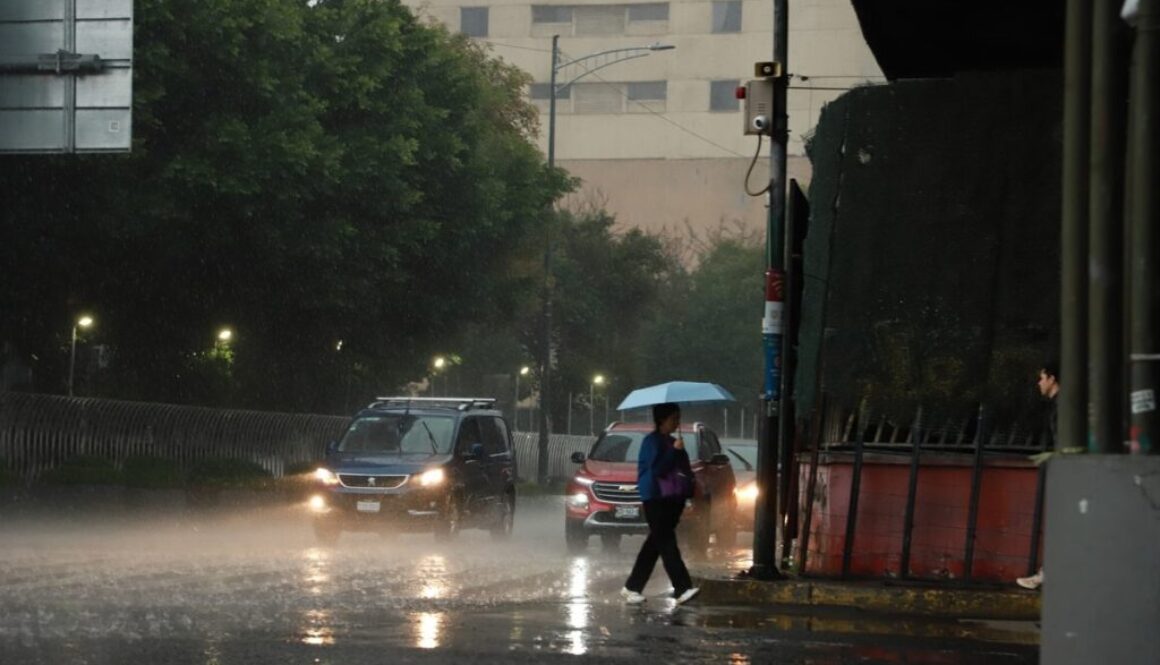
x,y
38,432
977,437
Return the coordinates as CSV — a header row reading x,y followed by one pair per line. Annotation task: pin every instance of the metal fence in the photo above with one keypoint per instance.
x,y
977,437
38,432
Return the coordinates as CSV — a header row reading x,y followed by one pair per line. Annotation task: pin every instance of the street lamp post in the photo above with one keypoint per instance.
x,y
599,61
597,380
516,404
440,362
82,322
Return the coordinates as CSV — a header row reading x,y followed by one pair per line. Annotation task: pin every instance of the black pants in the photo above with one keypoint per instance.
x,y
662,516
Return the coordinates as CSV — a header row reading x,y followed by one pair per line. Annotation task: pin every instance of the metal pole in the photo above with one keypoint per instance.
x,y
1144,220
569,414
1106,233
516,405
911,495
973,505
546,347
766,522
1074,229
72,360
591,408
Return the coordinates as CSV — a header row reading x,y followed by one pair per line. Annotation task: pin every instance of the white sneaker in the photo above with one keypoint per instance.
x,y
631,597
1033,582
688,595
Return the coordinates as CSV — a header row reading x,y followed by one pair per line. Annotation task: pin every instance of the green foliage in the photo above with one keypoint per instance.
x,y
228,473
709,330
304,174
153,473
83,470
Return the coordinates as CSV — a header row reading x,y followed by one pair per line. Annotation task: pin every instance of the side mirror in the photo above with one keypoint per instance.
x,y
331,448
578,458
719,458
476,451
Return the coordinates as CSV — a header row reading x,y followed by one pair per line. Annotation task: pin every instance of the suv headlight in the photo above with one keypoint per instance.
x,y
325,476
747,492
583,480
432,477
578,500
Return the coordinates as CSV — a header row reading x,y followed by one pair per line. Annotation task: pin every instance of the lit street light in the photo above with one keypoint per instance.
x,y
516,405
82,322
597,380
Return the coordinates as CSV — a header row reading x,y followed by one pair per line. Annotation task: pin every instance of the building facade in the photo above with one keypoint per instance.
x,y
658,140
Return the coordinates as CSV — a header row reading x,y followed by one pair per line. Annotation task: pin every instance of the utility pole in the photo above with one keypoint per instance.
x,y
546,344
1073,361
1144,233
766,525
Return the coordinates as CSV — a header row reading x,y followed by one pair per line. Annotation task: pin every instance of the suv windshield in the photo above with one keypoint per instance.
x,y
399,433
625,446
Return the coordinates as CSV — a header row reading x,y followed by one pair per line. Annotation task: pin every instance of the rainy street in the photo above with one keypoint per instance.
x,y
252,586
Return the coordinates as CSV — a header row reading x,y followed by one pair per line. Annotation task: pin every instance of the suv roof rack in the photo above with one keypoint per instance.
x,y
460,403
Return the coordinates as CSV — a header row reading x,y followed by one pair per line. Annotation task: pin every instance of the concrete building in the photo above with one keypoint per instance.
x,y
658,140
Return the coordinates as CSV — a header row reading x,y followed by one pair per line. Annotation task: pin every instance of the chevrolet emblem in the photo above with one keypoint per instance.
x,y
627,488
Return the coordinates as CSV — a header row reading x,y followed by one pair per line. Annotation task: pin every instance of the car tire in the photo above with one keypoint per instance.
x,y
451,522
575,536
326,532
507,518
610,542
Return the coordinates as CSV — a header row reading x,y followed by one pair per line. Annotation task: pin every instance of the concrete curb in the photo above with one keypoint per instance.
x,y
876,597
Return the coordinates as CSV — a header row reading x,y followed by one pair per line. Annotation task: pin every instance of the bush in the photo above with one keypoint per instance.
x,y
229,473
153,473
83,470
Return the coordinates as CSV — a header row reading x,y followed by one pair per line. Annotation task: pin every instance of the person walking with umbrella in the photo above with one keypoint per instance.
x,y
664,480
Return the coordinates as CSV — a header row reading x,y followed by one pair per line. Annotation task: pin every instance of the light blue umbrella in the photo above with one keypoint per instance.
x,y
681,392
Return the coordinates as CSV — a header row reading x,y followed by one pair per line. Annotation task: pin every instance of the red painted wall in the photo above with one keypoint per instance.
x,y
1003,535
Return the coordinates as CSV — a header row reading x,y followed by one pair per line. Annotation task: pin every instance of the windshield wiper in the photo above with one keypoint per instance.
x,y
748,466
431,438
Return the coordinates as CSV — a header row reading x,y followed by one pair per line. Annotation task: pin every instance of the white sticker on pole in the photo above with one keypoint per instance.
x,y
1143,401
773,323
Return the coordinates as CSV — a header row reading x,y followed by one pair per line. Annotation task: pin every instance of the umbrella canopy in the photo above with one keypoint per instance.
x,y
681,392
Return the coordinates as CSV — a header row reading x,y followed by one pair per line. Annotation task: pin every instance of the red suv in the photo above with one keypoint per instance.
x,y
602,497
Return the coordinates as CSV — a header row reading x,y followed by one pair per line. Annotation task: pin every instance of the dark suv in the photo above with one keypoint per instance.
x,y
415,464
603,499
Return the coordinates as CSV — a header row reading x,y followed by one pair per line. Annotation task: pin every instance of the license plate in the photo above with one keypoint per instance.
x,y
627,512
368,506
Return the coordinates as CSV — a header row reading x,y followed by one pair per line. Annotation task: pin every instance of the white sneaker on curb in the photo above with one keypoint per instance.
x,y
688,595
631,597
1033,582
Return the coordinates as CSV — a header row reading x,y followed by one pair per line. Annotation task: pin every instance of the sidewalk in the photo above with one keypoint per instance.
x,y
911,599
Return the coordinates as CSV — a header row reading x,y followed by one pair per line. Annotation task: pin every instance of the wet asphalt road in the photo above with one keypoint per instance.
x,y
252,586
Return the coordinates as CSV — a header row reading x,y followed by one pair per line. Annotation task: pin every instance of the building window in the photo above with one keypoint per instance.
x,y
637,19
727,16
645,96
473,21
551,14
649,11
543,91
723,95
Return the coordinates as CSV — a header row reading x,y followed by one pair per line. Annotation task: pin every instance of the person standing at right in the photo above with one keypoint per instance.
x,y
1048,385
660,454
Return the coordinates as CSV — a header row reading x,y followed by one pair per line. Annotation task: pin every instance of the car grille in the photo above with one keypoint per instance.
x,y
371,482
616,492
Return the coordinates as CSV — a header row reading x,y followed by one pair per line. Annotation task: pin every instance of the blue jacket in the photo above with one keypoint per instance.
x,y
657,456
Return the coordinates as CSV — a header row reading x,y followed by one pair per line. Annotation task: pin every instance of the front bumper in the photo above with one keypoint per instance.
x,y
356,509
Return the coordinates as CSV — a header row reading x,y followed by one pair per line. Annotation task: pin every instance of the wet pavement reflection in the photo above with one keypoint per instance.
x,y
254,586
